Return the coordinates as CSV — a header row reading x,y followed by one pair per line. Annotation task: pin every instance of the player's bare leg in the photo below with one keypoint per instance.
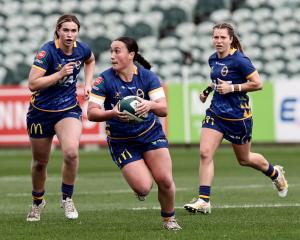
x,y
40,156
160,165
68,131
210,141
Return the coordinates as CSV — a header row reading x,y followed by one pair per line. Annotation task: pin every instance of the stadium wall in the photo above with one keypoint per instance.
x,y
276,112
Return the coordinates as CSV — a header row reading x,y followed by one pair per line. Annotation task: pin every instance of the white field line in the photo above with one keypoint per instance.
x,y
226,206
121,191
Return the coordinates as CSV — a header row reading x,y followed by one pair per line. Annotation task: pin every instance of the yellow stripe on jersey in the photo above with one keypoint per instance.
x,y
157,93
96,99
232,51
39,68
246,115
60,110
123,138
251,74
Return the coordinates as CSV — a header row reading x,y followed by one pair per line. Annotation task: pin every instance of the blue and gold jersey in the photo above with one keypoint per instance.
x,y
109,89
50,59
236,68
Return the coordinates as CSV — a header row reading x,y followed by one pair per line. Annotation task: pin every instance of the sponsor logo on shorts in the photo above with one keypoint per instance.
x,y
36,128
159,141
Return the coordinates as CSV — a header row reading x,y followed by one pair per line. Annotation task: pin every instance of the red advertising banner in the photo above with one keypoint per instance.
x,y
14,103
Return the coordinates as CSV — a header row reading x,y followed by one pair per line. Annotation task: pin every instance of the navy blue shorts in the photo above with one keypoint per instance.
x,y
41,124
129,150
236,132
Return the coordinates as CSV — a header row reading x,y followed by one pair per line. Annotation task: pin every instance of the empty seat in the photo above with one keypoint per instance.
x,y
148,43
261,14
241,15
272,52
172,17
274,67
270,40
185,29
221,15
140,29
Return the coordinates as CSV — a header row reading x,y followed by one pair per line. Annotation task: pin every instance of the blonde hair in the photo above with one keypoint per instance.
x,y
65,18
235,40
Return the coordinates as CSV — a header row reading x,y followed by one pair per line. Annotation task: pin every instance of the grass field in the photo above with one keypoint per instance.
x,y
244,204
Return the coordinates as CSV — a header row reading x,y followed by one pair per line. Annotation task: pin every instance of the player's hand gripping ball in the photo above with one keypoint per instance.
x,y
128,105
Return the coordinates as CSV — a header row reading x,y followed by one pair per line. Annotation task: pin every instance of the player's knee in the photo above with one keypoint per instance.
x,y
70,155
205,154
165,183
143,189
39,164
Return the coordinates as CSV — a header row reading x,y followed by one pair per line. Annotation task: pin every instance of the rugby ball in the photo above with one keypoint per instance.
x,y
128,105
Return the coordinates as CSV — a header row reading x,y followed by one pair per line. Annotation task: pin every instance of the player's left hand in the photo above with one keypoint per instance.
x,y
143,107
223,87
87,91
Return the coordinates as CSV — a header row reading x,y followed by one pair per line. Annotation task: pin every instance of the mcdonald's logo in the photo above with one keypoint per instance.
x,y
36,128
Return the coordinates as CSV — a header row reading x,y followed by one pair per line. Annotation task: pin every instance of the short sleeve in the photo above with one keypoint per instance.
x,y
246,66
87,51
43,59
98,93
156,91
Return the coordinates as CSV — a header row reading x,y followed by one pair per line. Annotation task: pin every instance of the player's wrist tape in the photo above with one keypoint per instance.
x,y
240,87
207,91
232,87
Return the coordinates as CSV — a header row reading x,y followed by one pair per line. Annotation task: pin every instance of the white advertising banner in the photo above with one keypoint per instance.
x,y
287,111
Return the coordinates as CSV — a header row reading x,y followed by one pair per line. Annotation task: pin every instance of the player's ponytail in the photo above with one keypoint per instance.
x,y
235,40
132,46
141,60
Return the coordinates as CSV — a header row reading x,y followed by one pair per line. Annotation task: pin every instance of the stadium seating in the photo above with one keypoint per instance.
x,y
166,31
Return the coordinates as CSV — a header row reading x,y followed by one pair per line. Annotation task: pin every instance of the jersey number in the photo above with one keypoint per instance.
x,y
67,80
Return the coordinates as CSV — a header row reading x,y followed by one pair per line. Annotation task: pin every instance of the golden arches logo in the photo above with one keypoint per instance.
x,y
36,128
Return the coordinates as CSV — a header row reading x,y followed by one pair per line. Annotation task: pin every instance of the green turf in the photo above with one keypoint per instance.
x,y
244,204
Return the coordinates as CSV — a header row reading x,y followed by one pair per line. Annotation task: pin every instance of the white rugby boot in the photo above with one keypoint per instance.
x,y
171,224
35,212
69,208
198,205
280,183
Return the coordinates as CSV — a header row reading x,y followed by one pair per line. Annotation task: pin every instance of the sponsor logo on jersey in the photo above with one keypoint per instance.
x,y
59,67
118,96
78,64
140,93
224,71
41,54
98,81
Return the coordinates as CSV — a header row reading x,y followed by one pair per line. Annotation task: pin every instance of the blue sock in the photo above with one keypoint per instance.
x,y
204,193
67,191
37,197
271,172
167,215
